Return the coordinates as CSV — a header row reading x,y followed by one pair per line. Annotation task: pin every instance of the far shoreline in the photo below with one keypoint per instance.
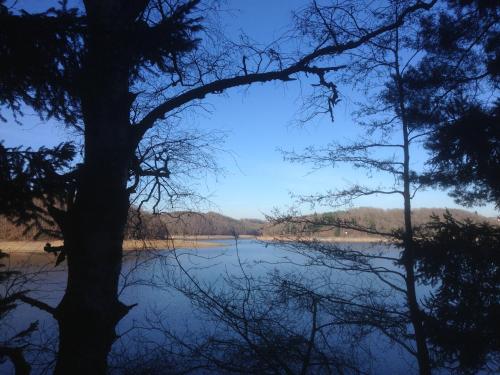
x,y
179,242
323,239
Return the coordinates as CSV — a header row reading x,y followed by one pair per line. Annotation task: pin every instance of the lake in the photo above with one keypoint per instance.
x,y
169,288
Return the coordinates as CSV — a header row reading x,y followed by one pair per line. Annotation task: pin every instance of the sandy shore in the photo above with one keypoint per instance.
x,y
37,246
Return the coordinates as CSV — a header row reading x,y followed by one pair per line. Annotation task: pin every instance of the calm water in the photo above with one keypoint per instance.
x,y
148,281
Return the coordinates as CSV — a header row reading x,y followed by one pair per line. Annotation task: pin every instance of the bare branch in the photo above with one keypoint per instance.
x,y
302,65
37,303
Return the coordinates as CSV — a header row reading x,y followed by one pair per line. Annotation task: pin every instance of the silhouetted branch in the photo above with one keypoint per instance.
x,y
37,303
16,356
302,65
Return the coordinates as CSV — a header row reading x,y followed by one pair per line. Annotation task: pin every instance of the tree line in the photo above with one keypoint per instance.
x,y
375,219
144,225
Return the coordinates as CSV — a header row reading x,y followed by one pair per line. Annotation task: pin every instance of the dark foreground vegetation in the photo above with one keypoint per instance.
x,y
120,74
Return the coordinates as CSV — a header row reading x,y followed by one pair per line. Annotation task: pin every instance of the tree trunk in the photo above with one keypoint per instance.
x,y
90,309
93,237
409,264
408,258
94,227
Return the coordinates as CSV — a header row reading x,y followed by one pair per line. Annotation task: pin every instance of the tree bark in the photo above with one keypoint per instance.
x,y
93,237
94,227
90,309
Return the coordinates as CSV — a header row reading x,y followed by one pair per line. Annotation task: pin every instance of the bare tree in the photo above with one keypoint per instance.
x,y
380,66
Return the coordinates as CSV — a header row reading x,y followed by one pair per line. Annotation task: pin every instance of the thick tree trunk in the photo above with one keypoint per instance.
x,y
90,309
95,224
93,237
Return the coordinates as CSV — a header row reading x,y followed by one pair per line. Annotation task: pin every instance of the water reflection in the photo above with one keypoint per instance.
x,y
233,303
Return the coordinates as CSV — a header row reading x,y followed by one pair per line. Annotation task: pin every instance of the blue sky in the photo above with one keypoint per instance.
x,y
259,120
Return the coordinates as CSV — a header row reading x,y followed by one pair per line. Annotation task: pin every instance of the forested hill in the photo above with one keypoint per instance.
x,y
151,226
381,220
211,223
191,224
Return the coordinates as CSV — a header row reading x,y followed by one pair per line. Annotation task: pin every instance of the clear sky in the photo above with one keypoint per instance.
x,y
259,120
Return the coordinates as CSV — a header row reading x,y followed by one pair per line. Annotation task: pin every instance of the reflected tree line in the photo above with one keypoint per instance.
x,y
121,76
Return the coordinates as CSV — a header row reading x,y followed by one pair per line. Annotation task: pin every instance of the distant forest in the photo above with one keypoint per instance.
x,y
151,226
376,219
